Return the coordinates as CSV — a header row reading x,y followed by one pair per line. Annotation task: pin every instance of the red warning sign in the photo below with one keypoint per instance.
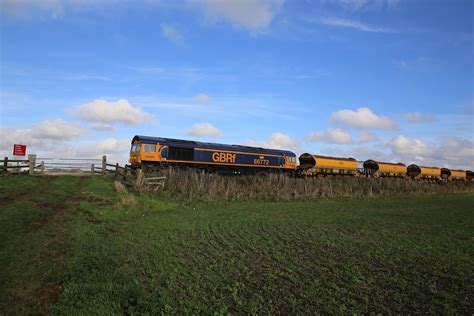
x,y
19,150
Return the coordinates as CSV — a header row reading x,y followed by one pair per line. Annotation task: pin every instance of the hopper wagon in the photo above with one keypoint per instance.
x,y
315,165
377,169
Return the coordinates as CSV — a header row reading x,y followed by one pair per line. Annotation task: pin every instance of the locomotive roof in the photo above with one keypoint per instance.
x,y
193,144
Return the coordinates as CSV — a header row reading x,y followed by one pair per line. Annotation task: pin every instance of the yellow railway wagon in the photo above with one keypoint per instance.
x,y
421,172
384,169
323,165
458,175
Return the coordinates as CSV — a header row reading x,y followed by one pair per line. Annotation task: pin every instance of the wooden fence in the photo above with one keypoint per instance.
x,y
82,166
34,165
19,165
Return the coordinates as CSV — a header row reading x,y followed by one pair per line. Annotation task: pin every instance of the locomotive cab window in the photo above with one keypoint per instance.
x,y
148,148
178,153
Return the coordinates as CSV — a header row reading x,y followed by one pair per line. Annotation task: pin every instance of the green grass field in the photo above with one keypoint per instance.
x,y
71,245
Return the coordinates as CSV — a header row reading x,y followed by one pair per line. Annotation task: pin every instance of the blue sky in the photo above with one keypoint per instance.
x,y
384,79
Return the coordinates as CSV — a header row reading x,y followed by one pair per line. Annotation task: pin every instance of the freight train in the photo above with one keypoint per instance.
x,y
150,153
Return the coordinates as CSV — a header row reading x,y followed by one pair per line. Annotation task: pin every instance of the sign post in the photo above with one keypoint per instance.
x,y
19,151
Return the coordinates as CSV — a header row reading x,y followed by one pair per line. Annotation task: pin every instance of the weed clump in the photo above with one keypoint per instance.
x,y
119,187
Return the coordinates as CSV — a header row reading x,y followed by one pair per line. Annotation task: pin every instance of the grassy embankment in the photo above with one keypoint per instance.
x,y
71,244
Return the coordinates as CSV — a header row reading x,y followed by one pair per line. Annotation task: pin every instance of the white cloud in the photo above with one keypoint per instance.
x,y
108,146
455,152
361,153
116,150
59,139
345,23
56,129
362,118
277,140
205,129
331,136
40,136
106,112
18,136
280,140
171,33
450,152
252,143
407,147
417,117
367,137
253,15
201,98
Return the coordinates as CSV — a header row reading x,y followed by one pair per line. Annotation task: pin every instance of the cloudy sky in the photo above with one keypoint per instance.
x,y
382,79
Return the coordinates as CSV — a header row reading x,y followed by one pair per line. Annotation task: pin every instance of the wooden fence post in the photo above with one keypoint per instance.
x,y
104,164
139,180
92,168
32,163
5,165
42,167
116,169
